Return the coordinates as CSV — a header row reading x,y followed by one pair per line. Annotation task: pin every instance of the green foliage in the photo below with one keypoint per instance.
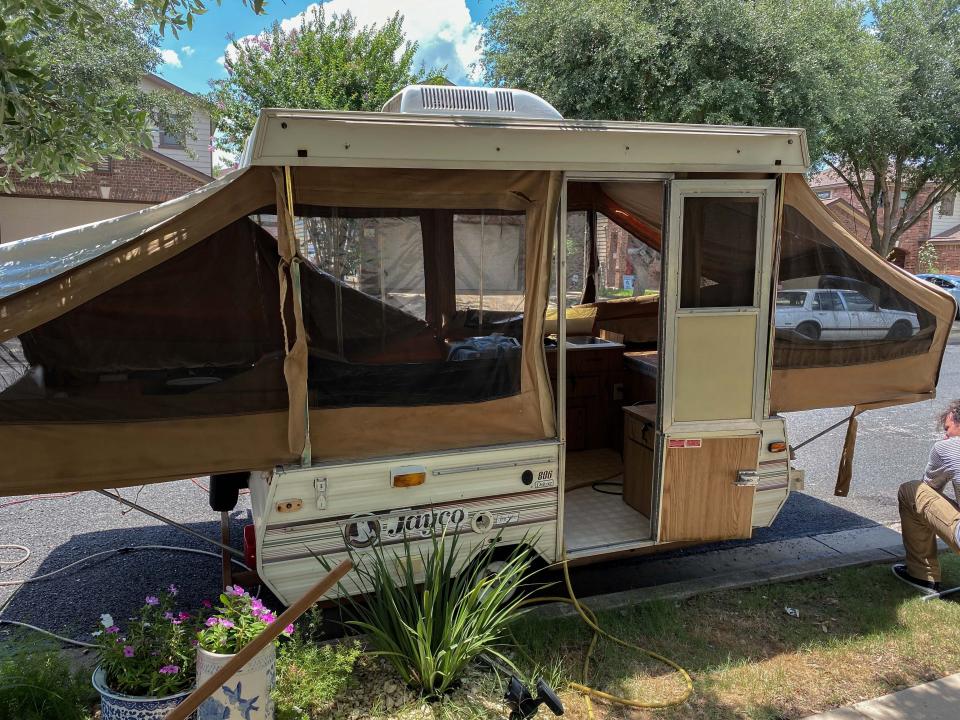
x,y
37,683
69,87
154,654
309,676
702,61
326,65
896,136
431,632
928,259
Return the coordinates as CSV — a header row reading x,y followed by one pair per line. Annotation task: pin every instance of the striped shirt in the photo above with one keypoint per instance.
x,y
944,466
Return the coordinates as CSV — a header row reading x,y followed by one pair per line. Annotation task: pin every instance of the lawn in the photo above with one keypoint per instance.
x,y
860,633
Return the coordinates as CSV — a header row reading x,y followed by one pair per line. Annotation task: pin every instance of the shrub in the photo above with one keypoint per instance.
x,y
37,683
431,632
309,676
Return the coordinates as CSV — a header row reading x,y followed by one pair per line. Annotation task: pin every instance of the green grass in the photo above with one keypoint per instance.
x,y
860,634
37,683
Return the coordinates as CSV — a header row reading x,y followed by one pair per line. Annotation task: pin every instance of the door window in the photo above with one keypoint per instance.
x,y
719,252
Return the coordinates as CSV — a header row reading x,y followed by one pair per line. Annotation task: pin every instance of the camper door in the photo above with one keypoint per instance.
x,y
713,356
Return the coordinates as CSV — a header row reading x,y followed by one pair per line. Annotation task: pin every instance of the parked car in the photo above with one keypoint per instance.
x,y
950,283
840,315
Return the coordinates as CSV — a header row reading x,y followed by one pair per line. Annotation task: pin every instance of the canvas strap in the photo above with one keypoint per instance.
x,y
295,361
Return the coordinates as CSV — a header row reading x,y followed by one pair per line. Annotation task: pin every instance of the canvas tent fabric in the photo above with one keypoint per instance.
x,y
197,282
116,424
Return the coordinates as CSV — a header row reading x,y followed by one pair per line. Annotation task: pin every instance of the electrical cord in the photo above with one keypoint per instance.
x,y
590,619
115,551
18,561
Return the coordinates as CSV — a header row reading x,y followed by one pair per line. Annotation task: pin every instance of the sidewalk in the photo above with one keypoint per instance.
x,y
937,700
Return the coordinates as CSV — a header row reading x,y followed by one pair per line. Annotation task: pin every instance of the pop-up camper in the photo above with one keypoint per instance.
x,y
464,313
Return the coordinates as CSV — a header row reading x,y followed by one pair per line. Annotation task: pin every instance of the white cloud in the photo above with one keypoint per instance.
x,y
170,57
443,28
221,60
187,50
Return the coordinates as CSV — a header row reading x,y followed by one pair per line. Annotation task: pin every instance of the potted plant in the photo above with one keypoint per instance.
x,y
146,669
246,696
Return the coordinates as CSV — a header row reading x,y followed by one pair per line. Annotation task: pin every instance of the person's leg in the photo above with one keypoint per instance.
x,y
925,514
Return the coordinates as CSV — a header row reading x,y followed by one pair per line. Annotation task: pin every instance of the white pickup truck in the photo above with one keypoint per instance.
x,y
840,315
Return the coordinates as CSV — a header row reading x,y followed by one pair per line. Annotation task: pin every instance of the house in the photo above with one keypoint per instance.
x,y
115,187
940,225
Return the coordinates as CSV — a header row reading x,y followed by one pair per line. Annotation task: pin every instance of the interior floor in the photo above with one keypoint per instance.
x,y
594,521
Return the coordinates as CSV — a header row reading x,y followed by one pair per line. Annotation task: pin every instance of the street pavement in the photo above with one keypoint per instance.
x,y
892,447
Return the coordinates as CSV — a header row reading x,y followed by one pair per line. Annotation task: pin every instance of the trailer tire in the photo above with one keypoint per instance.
x,y
225,490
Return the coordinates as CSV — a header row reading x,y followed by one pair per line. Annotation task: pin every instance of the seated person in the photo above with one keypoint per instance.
x,y
926,513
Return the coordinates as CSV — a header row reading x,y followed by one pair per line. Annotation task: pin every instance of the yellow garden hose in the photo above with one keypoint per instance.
x,y
590,618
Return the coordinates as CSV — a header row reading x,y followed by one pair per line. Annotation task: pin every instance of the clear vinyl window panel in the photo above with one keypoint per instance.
x,y
831,311
719,251
626,266
411,306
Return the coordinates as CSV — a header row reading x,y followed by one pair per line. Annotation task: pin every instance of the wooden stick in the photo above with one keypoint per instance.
x,y
269,634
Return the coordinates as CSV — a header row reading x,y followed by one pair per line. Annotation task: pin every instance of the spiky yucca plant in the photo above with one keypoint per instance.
x,y
430,632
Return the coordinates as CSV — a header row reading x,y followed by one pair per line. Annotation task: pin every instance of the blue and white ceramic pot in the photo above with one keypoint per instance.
x,y
117,706
245,696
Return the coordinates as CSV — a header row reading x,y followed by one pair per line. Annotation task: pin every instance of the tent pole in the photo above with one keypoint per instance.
x,y
168,521
306,458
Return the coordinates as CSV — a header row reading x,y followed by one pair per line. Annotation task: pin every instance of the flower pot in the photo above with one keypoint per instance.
x,y
117,706
246,696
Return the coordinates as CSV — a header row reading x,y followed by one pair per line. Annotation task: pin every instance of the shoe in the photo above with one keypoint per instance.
x,y
928,586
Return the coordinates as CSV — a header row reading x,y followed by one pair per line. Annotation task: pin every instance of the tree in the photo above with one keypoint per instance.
x,y
327,65
875,85
69,87
897,143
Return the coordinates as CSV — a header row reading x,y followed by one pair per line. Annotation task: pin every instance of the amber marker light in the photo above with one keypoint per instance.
x,y
408,476
777,447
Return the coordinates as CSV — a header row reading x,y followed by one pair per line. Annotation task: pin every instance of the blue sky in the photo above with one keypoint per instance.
x,y
447,31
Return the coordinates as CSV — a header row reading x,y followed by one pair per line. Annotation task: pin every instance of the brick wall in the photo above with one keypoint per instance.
x,y
138,179
910,241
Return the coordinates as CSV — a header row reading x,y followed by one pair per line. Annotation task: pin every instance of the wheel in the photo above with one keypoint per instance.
x,y
901,330
225,490
809,330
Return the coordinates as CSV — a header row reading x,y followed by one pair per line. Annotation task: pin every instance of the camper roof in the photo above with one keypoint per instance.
x,y
411,140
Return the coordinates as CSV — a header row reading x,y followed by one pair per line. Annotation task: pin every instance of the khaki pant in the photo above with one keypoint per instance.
x,y
924,515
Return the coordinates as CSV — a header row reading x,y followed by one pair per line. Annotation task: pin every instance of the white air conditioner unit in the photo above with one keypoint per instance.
x,y
474,102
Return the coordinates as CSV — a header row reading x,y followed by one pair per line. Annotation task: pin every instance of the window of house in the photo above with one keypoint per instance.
x,y
104,167
171,140
823,194
947,203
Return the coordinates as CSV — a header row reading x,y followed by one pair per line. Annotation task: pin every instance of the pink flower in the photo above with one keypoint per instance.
x,y
127,651
226,623
184,616
172,590
168,615
288,630
169,670
152,600
268,617
236,590
211,621
113,629
206,603
256,605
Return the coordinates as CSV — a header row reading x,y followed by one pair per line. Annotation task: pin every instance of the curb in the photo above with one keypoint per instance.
x,y
732,581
